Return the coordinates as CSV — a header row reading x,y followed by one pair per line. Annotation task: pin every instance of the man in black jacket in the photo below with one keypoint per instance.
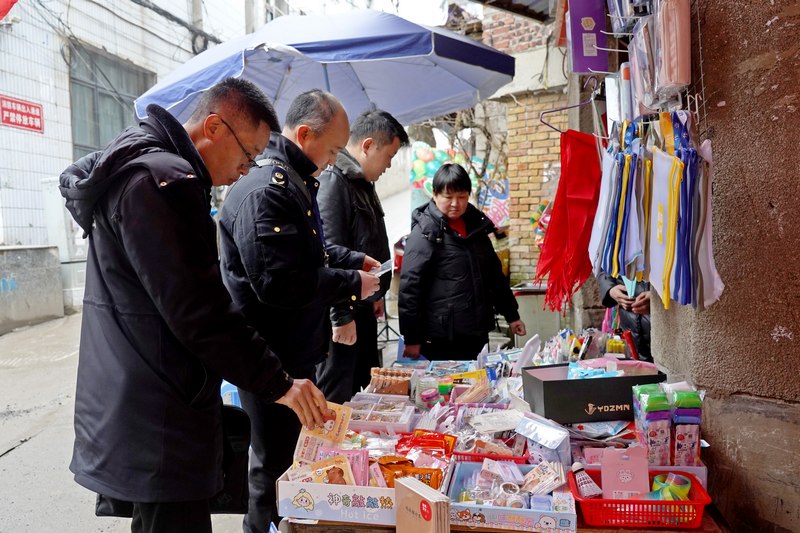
x,y
634,310
353,217
159,328
278,268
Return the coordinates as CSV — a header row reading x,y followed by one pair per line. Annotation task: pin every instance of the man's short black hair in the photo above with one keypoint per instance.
x,y
380,125
451,177
315,108
250,103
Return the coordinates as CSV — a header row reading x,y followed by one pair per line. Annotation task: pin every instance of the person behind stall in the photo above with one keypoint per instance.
x,y
353,217
452,281
278,268
159,328
634,311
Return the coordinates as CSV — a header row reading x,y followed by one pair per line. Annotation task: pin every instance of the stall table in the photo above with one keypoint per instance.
x,y
291,526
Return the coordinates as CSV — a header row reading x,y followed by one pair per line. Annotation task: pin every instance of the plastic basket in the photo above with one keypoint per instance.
x,y
643,513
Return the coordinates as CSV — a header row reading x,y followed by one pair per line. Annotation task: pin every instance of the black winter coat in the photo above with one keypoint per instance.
x,y
159,328
450,286
274,261
639,325
352,216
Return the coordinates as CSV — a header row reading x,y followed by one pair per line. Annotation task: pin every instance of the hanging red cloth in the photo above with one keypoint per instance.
x,y
565,252
5,7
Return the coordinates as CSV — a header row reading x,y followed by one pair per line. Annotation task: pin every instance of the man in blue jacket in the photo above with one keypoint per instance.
x,y
278,268
159,328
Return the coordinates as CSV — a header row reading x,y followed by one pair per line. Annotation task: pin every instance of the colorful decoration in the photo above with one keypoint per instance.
x,y
493,194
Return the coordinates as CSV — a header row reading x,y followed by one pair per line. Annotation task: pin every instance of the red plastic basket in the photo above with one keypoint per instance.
x,y
643,513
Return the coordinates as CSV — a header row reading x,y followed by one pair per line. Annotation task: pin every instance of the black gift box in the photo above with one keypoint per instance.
x,y
567,401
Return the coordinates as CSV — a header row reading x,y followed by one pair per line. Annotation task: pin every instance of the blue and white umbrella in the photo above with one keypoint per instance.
x,y
367,59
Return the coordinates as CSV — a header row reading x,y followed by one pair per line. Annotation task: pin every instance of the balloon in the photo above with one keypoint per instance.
x,y
424,154
441,155
418,166
432,166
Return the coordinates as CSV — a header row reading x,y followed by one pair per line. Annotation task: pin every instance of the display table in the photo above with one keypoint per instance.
x,y
290,526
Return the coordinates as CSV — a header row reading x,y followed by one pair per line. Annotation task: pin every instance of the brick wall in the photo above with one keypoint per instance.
x,y
510,33
532,147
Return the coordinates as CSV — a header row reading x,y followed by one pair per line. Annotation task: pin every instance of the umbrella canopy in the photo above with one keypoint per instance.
x,y
366,58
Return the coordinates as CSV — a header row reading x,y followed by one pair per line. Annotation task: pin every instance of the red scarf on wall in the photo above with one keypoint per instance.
x,y
565,252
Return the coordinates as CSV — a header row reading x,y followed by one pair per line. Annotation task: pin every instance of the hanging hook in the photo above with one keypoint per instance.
x,y
595,86
593,71
617,34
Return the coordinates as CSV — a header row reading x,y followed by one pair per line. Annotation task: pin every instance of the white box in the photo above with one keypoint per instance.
x,y
339,503
463,514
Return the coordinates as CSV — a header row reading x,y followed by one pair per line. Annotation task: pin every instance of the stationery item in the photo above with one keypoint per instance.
x,y
710,285
657,440
502,420
358,459
376,478
586,40
613,112
687,445
420,508
544,478
333,471
587,488
604,208
625,102
390,380
673,69
333,431
623,473
667,172
336,418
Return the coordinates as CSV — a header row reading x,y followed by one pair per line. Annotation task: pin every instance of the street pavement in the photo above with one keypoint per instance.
x,y
38,367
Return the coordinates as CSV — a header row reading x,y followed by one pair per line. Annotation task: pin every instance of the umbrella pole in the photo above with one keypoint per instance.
x,y
325,75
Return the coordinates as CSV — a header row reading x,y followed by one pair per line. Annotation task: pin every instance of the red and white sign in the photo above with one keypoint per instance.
x,y
21,114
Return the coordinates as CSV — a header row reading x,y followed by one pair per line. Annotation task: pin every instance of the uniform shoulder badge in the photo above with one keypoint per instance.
x,y
278,176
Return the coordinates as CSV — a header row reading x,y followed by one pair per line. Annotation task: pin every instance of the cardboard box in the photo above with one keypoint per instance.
x,y
505,518
340,503
568,401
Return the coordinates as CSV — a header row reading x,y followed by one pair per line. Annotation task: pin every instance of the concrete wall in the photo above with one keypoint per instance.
x,y
30,286
743,350
34,68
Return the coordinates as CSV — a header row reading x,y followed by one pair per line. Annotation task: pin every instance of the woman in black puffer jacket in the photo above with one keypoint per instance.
x,y
452,282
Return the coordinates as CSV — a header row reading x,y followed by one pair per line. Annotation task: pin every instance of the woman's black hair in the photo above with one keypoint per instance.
x,y
451,177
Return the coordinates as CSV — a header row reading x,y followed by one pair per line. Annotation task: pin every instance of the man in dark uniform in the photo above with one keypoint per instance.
x,y
159,329
278,268
353,217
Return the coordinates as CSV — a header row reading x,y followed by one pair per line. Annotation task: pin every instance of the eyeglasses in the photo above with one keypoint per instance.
x,y
252,161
